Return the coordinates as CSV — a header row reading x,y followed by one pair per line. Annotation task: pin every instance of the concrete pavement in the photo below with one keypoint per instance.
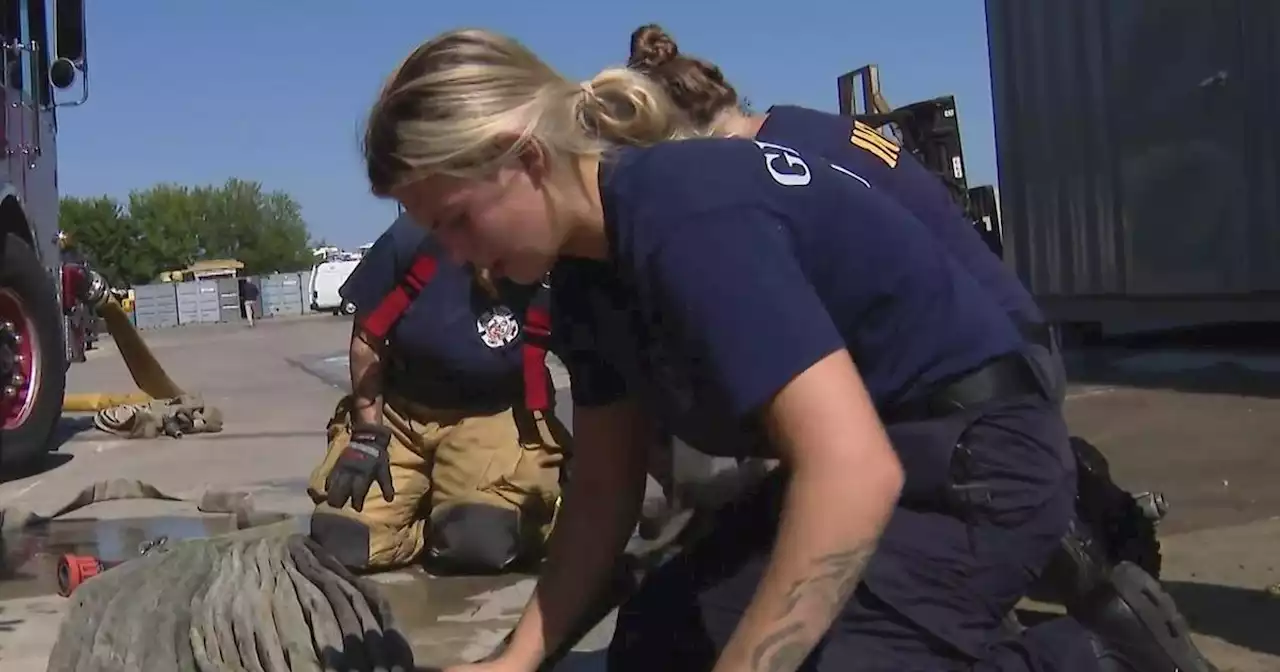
x,y
1166,424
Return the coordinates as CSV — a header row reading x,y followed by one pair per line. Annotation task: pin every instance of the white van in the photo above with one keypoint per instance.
x,y
326,279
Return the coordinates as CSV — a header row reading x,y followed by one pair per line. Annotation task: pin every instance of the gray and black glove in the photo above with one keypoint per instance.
x,y
364,460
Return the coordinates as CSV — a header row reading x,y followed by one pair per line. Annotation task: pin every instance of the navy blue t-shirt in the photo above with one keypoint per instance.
x,y
736,265
900,175
455,346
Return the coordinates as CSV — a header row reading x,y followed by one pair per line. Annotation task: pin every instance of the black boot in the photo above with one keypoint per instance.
x,y
1122,523
1137,627
1110,526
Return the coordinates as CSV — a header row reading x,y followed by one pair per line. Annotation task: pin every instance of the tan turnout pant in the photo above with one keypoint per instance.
x,y
478,490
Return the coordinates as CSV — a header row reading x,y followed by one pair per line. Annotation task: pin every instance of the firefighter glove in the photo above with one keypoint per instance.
x,y
363,461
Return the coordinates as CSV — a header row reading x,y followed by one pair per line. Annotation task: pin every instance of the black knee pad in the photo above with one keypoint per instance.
x,y
475,537
344,539
1139,626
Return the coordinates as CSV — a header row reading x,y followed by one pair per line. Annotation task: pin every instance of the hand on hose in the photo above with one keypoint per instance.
x,y
363,461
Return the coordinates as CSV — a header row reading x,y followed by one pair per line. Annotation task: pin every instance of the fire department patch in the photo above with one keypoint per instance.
x,y
498,327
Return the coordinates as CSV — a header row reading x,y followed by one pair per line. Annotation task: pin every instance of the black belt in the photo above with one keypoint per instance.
x,y
1001,378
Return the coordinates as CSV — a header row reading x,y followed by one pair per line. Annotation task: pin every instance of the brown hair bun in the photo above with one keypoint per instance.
x,y
651,47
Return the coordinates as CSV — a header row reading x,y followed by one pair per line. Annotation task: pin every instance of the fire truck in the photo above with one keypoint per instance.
x,y
42,54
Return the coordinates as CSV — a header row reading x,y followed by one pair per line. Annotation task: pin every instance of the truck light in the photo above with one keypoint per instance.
x,y
74,284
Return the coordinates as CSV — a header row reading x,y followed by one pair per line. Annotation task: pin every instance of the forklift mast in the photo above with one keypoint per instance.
x,y
930,130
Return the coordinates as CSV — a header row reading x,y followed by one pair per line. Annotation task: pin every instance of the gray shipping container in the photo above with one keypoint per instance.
x,y
210,301
155,306
229,300
304,284
1139,155
281,294
188,302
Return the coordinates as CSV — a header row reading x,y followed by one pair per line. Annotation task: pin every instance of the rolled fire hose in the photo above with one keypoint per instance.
x,y
261,599
146,371
264,599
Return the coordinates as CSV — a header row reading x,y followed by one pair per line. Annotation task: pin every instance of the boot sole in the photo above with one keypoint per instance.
x,y
1157,611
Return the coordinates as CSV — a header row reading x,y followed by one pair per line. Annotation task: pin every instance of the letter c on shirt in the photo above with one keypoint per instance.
x,y
794,163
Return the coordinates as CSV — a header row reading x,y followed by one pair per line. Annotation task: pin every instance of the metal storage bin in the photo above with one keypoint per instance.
x,y
229,300
188,302
281,294
155,306
304,289
210,303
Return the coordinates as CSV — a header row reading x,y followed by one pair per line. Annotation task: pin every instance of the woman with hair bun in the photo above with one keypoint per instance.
x,y
700,89
756,299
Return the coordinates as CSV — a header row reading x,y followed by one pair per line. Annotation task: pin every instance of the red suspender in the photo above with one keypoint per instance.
x,y
378,322
537,334
537,329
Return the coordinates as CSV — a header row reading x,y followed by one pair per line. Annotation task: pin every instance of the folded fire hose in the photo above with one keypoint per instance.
x,y
264,598
187,414
261,600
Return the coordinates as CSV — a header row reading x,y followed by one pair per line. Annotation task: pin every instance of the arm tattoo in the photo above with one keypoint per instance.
x,y
817,597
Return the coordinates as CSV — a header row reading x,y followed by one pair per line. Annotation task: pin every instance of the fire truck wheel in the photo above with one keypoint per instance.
x,y
32,374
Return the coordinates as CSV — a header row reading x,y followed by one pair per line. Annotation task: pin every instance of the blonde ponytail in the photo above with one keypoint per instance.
x,y
623,107
447,103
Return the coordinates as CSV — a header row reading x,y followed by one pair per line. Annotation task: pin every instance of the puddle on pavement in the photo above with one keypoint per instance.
x,y
453,619
29,557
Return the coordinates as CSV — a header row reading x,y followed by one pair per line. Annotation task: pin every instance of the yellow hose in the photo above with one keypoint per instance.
x,y
96,401
147,373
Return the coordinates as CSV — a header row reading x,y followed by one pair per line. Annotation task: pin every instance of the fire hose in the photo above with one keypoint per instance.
x,y
262,598
162,407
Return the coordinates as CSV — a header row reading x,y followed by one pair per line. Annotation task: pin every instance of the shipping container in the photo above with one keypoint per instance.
x,y
281,294
210,301
188,302
1139,156
155,306
304,278
198,302
229,300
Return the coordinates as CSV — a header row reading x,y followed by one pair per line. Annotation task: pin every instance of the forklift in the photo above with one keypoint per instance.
x,y
930,130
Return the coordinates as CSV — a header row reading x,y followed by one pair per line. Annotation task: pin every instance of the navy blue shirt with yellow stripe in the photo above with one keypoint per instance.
x,y
899,175
736,265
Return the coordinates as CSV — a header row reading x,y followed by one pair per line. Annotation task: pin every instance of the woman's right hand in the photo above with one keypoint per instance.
x,y
601,506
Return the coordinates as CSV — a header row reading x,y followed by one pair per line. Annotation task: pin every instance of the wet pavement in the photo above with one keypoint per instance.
x,y
29,558
1189,421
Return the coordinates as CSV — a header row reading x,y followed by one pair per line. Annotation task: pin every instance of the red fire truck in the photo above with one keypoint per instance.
x,y
43,52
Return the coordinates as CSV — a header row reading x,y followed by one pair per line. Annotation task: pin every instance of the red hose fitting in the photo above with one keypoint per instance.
x,y
74,570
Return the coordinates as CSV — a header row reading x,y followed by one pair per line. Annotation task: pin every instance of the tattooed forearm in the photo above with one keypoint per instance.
x,y
812,603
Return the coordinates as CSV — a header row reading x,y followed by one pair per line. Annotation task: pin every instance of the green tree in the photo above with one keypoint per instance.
x,y
169,226
264,230
101,229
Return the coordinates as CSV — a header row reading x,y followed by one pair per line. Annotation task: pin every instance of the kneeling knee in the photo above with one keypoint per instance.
x,y
476,537
346,539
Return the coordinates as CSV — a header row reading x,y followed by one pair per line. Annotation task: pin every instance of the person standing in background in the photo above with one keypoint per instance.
x,y
249,294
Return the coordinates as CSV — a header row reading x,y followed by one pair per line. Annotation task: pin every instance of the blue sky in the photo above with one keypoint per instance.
x,y
198,91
